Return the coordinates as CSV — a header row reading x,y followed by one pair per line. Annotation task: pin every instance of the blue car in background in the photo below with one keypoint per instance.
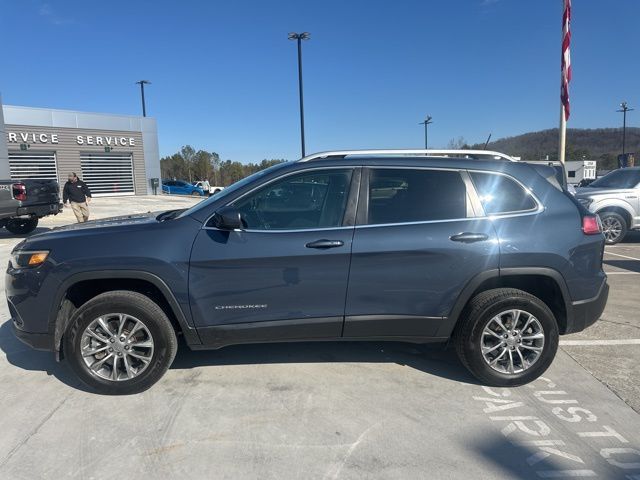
x,y
180,187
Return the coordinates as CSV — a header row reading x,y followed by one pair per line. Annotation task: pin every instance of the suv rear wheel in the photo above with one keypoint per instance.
x,y
614,227
21,226
506,337
120,342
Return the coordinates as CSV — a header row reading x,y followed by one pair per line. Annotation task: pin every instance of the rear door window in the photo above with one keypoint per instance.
x,y
415,195
500,194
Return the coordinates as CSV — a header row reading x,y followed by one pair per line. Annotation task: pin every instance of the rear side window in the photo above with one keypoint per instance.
x,y
412,195
500,194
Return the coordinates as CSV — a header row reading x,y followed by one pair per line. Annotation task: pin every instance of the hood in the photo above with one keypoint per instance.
x,y
103,223
590,191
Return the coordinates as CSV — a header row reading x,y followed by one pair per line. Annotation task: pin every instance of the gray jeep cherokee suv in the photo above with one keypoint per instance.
x,y
487,254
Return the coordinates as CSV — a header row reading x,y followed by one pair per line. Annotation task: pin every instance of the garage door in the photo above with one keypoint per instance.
x,y
33,165
108,174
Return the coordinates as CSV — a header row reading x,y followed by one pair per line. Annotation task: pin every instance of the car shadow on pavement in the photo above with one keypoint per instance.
x,y
26,358
4,233
517,461
433,359
628,265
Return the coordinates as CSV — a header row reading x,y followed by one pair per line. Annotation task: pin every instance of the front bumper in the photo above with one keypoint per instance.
x,y
37,341
587,312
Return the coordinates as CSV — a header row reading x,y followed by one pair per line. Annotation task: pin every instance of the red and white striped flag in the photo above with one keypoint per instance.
x,y
566,57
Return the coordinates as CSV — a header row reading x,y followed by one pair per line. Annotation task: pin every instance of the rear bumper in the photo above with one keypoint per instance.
x,y
40,210
587,312
38,341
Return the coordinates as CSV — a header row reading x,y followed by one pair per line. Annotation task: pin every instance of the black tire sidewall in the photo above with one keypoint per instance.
x,y
160,329
30,226
477,363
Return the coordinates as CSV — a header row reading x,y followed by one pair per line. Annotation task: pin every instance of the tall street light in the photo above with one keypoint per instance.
x,y
624,109
299,37
426,123
142,83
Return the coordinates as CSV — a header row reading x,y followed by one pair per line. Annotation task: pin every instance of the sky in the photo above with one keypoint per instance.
x,y
224,75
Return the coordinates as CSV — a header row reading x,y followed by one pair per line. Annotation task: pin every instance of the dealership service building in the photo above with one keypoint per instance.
x,y
113,154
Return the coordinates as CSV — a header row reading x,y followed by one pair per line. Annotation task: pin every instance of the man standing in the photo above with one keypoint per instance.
x,y
78,194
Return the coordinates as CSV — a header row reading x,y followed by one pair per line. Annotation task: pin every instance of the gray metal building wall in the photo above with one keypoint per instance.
x,y
4,157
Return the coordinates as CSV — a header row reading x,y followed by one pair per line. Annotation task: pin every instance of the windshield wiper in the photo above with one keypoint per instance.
x,y
169,214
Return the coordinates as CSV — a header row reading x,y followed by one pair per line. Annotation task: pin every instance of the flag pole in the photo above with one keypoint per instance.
x,y
563,134
565,78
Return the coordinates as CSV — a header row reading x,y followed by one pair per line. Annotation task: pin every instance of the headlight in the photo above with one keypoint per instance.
x,y
28,258
585,201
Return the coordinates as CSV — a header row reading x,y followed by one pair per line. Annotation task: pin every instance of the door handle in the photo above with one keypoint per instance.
x,y
469,237
324,243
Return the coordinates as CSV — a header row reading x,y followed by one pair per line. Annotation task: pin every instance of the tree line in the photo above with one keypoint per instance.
x,y
191,165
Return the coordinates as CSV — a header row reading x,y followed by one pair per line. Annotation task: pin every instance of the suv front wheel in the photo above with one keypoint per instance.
x,y
506,337
120,342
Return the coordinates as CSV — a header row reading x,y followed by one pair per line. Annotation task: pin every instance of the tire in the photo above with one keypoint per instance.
x,y
137,375
195,194
480,314
21,226
614,227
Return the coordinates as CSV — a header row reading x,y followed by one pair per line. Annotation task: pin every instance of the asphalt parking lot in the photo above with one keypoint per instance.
x,y
332,410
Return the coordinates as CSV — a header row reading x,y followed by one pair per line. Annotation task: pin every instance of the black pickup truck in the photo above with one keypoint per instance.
x,y
24,202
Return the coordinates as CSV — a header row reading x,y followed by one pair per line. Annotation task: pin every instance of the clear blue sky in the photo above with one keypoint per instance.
x,y
224,74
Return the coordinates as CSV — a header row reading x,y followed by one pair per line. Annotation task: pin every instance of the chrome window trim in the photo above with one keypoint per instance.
x,y
306,170
464,174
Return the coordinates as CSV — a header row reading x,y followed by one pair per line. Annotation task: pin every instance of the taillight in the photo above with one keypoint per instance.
x,y
19,191
591,225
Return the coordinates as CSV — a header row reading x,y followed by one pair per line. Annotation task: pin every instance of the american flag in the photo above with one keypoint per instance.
x,y
566,57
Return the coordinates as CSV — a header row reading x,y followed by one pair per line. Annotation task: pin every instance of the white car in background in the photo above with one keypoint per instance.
x,y
213,189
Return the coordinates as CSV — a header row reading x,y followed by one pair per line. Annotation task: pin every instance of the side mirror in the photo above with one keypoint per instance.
x,y
227,218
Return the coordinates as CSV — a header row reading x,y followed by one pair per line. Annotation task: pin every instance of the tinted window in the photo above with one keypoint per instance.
x,y
302,201
621,178
500,194
405,195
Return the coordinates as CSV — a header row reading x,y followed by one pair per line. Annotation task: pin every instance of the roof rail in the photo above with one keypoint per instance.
x,y
477,154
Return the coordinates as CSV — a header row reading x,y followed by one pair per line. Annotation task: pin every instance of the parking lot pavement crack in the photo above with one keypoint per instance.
x,y
609,387
620,323
33,431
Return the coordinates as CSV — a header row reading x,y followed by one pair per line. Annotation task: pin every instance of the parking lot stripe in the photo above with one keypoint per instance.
x,y
622,273
623,256
622,341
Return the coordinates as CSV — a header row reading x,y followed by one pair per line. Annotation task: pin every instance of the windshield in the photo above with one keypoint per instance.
x,y
232,188
622,178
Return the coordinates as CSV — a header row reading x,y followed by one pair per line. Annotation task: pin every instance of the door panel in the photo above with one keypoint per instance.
x,y
285,275
415,247
412,275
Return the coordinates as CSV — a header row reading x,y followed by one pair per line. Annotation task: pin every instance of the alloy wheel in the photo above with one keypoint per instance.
x,y
512,341
116,347
612,228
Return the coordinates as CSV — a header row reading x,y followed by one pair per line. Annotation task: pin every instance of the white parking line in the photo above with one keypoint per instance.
x,y
623,341
622,273
623,256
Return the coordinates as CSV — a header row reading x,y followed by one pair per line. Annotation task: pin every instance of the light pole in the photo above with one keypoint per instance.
x,y
426,123
299,37
142,83
624,109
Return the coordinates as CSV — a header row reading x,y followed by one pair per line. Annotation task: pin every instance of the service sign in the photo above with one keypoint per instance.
x,y
22,137
53,138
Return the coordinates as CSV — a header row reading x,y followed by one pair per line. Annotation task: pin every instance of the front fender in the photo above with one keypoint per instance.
x,y
61,313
